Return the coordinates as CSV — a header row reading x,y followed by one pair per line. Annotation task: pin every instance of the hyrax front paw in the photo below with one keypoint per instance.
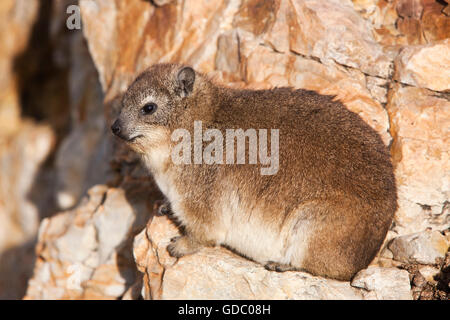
x,y
181,246
162,208
278,267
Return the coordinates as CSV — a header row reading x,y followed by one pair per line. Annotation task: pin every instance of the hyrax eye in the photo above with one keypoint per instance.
x,y
149,108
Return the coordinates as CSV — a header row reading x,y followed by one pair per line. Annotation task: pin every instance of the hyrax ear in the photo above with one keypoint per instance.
x,y
186,79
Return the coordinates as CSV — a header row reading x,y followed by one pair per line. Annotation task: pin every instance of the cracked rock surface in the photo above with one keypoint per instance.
x,y
79,217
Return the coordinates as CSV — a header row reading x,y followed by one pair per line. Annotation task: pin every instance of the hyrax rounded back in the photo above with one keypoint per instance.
x,y
288,178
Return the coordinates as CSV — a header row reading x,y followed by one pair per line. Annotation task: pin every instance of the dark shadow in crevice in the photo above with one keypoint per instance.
x,y
16,268
44,98
144,197
443,278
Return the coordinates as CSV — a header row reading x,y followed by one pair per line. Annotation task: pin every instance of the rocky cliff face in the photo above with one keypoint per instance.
x,y
388,61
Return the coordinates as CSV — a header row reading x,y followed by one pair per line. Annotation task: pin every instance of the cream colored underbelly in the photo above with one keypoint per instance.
x,y
247,233
245,230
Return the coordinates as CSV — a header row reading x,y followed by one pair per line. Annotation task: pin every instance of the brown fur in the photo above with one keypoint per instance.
x,y
328,208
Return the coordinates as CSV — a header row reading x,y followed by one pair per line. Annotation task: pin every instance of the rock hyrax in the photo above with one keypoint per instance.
x,y
325,208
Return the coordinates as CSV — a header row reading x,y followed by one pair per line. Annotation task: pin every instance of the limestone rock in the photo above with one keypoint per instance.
x,y
81,157
265,68
419,124
31,145
435,20
217,273
424,247
406,22
276,44
383,16
42,63
151,255
221,275
327,30
425,66
384,283
16,21
429,273
21,156
350,49
86,253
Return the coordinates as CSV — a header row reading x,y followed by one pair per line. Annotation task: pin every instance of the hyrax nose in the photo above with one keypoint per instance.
x,y
116,128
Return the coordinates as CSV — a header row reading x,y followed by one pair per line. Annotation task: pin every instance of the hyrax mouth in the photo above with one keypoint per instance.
x,y
133,139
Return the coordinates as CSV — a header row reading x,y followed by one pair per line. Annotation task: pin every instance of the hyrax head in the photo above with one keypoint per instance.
x,y
151,103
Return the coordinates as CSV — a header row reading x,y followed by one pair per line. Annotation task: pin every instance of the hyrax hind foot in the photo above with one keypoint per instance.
x,y
278,267
181,246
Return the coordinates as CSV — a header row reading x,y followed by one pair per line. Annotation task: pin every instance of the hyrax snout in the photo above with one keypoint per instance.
x,y
288,178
